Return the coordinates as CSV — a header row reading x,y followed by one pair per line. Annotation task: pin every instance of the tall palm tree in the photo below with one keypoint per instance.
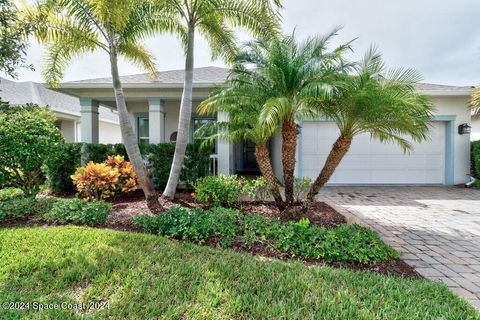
x,y
377,101
284,74
70,28
243,101
215,20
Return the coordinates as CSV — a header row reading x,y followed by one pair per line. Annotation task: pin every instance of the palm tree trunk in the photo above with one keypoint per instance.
x,y
128,135
289,149
339,149
184,119
263,159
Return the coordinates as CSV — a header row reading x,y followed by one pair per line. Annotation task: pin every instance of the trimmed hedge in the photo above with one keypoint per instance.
x,y
476,159
61,166
158,157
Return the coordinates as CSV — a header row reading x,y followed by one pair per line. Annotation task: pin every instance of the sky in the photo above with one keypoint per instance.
x,y
438,38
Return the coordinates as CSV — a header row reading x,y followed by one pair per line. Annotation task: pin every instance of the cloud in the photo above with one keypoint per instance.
x,y
439,38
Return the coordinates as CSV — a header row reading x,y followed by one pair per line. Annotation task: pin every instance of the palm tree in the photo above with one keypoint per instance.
x,y
215,20
243,102
70,28
284,74
376,101
475,102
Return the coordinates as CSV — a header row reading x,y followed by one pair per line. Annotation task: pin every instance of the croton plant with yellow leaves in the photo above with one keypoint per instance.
x,y
98,181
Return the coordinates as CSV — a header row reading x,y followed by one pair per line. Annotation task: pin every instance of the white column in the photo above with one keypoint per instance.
x,y
156,120
224,148
89,120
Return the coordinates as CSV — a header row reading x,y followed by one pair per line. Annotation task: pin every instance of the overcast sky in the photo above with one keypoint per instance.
x,y
439,38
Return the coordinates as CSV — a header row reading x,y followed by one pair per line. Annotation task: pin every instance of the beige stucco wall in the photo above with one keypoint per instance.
x,y
68,130
109,133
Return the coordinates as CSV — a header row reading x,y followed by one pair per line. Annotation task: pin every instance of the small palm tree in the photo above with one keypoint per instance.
x,y
376,101
215,20
243,102
475,102
70,28
284,74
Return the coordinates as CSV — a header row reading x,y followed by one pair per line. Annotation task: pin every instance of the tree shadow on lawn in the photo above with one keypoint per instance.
x,y
144,276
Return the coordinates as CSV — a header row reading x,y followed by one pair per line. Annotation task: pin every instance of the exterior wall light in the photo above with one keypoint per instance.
x,y
464,128
299,129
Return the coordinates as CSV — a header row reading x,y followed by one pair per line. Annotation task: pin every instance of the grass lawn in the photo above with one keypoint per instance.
x,y
144,276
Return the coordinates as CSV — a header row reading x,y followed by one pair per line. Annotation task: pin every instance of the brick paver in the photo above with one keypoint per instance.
x,y
436,228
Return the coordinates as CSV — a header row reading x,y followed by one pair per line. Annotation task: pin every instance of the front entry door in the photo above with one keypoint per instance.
x,y
249,162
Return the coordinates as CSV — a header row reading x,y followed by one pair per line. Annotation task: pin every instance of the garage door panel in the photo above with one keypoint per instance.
x,y
370,161
312,162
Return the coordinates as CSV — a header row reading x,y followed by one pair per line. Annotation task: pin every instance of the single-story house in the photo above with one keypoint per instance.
x,y
67,109
154,105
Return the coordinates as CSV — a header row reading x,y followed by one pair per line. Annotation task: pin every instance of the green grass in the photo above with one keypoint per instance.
x,y
144,276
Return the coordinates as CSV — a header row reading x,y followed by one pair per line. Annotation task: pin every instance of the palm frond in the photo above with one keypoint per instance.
x,y
57,59
139,55
475,101
221,39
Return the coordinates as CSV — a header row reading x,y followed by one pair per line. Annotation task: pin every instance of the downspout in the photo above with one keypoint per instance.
x,y
471,182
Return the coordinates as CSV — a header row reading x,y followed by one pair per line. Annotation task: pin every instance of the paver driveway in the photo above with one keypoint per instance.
x,y
437,228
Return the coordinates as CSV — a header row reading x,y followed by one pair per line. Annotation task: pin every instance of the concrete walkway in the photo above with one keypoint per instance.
x,y
436,228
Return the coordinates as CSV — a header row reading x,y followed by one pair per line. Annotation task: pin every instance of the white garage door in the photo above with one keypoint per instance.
x,y
371,162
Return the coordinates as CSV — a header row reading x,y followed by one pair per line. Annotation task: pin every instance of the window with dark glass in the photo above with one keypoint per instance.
x,y
143,130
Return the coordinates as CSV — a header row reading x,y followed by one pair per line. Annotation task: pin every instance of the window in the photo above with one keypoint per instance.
x,y
143,130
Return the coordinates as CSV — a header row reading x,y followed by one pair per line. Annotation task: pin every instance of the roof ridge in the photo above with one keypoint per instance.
x,y
446,85
35,93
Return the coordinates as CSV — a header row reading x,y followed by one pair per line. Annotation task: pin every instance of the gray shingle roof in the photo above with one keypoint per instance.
x,y
442,88
217,75
18,93
207,75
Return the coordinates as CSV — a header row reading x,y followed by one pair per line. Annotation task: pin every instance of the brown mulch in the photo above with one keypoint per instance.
x,y
126,207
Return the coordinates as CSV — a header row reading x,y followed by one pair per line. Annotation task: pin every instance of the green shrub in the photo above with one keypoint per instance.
x,y
159,157
28,138
77,211
61,166
10,193
257,189
100,152
195,165
354,243
301,187
343,244
22,207
218,225
219,190
476,159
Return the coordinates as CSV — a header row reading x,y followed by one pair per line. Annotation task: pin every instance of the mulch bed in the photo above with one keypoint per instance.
x,y
125,207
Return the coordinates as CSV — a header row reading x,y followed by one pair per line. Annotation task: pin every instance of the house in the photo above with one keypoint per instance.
x,y
154,107
67,109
